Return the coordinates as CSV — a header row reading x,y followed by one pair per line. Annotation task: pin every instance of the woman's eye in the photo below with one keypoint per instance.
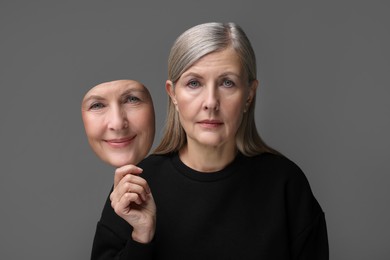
x,y
96,106
228,83
193,84
132,99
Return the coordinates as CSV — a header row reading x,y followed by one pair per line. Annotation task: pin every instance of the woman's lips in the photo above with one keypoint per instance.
x,y
210,123
120,143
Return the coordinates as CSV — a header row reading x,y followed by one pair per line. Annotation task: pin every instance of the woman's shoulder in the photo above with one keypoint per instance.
x,y
283,171
278,166
275,161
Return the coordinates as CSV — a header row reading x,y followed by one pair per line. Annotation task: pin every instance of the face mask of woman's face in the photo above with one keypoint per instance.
x,y
119,121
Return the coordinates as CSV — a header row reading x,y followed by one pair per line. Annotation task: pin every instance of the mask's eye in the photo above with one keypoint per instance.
x,y
132,99
96,106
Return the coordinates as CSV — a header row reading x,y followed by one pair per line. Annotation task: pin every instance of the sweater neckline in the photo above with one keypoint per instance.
x,y
190,173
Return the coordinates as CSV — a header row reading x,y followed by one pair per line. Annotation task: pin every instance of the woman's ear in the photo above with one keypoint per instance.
x,y
171,91
252,92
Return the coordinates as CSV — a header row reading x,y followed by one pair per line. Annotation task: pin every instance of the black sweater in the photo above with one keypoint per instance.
x,y
257,207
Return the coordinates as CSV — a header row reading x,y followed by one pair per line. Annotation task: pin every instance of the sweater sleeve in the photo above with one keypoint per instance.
x,y
113,239
308,232
312,243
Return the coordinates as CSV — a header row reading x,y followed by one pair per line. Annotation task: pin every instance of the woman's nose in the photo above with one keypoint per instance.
x,y
211,98
118,119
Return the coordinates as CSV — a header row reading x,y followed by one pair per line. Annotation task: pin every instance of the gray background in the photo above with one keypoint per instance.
x,y
324,102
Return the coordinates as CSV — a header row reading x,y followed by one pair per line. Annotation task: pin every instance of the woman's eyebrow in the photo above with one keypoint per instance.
x,y
230,74
191,74
225,74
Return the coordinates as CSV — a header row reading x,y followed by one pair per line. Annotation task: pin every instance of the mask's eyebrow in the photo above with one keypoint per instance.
x,y
92,97
133,91
124,94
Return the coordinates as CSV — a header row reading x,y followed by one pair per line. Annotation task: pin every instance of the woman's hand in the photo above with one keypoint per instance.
x,y
132,200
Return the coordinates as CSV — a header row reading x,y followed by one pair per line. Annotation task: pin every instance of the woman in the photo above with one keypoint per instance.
x,y
219,192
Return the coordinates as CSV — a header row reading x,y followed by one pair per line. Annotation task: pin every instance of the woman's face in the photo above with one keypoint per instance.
x,y
119,121
211,97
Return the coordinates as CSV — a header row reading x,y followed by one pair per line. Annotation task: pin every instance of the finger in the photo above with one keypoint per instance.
x,y
130,197
114,196
132,187
135,180
130,183
123,206
123,171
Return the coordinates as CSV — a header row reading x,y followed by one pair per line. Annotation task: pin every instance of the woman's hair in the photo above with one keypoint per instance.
x,y
188,48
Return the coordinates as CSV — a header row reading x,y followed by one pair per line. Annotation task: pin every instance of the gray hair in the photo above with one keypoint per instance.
x,y
206,38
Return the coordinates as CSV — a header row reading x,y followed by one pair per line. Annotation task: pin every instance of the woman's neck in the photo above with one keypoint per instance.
x,y
206,158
